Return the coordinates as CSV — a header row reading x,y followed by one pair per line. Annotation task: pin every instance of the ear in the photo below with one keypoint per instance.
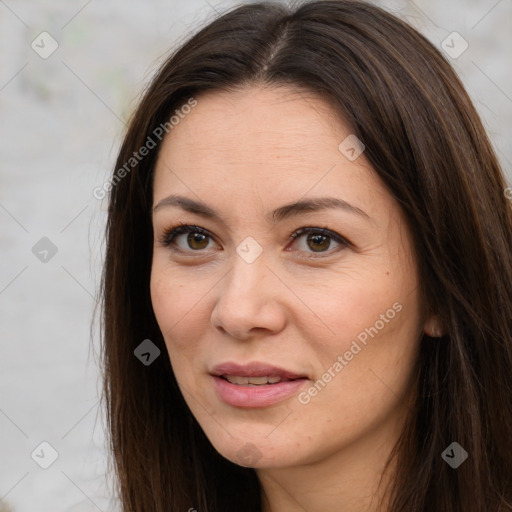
x,y
432,327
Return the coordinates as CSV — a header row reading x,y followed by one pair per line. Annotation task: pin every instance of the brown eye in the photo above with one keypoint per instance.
x,y
318,240
318,243
197,241
186,238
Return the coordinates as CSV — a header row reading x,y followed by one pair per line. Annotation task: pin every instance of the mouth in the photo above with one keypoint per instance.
x,y
254,381
255,384
254,373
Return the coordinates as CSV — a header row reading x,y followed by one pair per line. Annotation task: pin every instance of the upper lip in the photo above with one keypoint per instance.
x,y
254,369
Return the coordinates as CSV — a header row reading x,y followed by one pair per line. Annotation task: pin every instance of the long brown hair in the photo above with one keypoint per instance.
x,y
425,140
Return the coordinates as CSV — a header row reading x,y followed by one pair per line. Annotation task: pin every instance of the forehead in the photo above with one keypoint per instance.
x,y
238,125
277,143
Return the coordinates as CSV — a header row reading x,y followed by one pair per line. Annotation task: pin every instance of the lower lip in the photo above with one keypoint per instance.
x,y
256,396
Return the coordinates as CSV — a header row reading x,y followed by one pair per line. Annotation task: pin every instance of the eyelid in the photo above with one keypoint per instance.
x,y
342,241
321,230
169,234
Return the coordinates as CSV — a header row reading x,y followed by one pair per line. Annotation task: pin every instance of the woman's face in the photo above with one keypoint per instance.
x,y
290,309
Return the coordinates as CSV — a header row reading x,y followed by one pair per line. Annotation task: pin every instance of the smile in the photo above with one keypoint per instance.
x,y
253,381
255,384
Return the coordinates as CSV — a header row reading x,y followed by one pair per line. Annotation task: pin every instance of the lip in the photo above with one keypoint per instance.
x,y
254,369
255,396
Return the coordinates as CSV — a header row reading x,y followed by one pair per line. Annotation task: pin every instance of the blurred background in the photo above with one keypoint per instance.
x,y
70,75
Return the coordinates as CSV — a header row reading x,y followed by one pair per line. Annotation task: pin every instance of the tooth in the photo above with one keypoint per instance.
x,y
235,379
258,380
253,381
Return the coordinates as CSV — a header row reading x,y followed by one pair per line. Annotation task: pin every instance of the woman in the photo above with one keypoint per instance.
x,y
308,284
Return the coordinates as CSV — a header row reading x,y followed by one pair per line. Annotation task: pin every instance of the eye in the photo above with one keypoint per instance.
x,y
186,238
312,240
318,240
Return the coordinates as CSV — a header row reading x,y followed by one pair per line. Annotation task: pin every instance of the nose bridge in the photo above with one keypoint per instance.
x,y
245,300
245,279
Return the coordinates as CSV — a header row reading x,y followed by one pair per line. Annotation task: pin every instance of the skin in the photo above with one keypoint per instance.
x,y
244,154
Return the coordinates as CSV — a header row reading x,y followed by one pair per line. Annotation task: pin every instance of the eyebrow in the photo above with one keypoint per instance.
x,y
279,214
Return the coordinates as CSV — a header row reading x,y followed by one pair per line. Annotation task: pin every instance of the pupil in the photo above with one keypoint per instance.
x,y
318,239
197,238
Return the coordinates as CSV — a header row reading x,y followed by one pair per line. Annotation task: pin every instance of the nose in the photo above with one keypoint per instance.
x,y
248,301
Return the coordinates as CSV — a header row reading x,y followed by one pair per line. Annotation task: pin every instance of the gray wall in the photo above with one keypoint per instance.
x,y
61,123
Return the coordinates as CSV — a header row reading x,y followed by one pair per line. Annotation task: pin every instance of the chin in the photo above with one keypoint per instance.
x,y
255,451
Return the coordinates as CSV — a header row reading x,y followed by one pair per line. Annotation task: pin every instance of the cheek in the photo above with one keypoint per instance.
x,y
373,321
348,304
179,307
179,312
376,327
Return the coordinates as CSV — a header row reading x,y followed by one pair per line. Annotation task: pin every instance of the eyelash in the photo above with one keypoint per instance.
x,y
171,233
